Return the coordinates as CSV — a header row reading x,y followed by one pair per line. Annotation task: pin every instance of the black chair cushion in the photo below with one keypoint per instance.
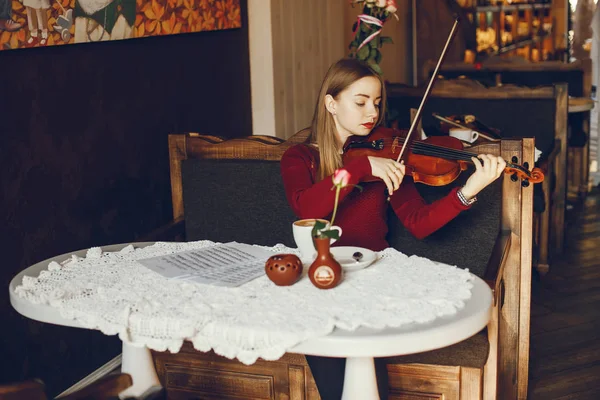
x,y
236,200
466,241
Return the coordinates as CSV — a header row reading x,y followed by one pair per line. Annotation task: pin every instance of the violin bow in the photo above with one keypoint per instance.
x,y
417,117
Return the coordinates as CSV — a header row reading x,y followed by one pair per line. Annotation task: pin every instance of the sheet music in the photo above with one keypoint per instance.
x,y
229,264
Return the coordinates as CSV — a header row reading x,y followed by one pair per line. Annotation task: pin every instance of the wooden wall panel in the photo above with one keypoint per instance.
x,y
84,162
302,40
307,38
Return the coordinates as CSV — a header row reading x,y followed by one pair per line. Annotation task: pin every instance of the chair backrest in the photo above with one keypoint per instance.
x,y
238,195
518,112
231,189
249,196
523,74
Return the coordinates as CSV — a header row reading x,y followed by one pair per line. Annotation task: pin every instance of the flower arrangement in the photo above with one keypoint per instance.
x,y
367,30
341,179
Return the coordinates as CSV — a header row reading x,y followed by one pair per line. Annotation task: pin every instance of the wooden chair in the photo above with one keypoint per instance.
x,y
576,75
228,188
105,388
32,389
493,240
518,112
221,188
535,74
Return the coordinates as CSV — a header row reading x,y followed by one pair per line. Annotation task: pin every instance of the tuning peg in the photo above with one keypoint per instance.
x,y
514,177
525,183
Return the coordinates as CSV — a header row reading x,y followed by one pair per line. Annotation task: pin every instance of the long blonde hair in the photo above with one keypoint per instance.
x,y
323,131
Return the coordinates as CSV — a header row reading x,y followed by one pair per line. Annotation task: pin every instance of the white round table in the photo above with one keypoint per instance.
x,y
136,361
359,347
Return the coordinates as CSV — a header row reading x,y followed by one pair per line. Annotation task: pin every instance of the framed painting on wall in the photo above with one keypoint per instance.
x,y
38,23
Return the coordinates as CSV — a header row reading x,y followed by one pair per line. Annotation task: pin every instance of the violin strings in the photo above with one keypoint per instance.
x,y
450,154
430,149
441,153
456,154
459,154
427,149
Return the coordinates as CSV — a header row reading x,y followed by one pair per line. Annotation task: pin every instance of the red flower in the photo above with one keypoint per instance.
x,y
341,177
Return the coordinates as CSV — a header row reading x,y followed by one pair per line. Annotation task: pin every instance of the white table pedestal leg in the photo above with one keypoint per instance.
x,y
137,362
360,381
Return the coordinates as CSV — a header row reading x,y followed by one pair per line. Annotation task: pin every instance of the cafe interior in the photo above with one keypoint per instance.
x,y
171,130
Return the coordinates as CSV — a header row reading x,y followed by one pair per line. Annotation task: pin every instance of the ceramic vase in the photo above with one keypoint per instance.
x,y
325,272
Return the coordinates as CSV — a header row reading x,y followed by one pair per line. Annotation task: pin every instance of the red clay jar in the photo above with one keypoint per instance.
x,y
325,272
283,269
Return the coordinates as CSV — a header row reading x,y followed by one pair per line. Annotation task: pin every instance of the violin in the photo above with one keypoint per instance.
x,y
435,161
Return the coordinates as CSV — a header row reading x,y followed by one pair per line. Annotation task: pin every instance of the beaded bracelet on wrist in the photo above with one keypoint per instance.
x,y
464,200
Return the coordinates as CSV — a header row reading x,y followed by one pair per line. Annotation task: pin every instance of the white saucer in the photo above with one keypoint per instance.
x,y
343,255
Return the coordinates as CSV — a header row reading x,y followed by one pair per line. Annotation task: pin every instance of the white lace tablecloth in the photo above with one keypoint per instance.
x,y
115,294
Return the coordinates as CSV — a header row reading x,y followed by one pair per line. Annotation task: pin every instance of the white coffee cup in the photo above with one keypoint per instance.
x,y
303,237
466,135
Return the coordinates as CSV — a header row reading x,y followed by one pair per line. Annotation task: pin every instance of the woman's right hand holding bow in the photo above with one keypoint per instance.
x,y
390,171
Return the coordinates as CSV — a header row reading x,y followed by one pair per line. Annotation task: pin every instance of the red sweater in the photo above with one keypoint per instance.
x,y
361,215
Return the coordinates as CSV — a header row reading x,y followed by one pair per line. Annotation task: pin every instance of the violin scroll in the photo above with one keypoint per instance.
x,y
534,176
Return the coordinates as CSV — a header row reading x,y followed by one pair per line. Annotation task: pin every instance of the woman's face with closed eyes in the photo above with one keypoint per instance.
x,y
356,108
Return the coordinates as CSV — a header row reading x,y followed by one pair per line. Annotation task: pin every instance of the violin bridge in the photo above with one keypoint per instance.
x,y
395,145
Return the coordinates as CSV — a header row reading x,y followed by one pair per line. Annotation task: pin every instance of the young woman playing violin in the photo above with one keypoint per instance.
x,y
352,103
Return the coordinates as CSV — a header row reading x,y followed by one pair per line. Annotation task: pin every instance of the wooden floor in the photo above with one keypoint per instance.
x,y
565,314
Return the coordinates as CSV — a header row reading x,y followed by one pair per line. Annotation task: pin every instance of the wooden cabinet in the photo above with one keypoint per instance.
x,y
489,28
516,27
422,382
191,374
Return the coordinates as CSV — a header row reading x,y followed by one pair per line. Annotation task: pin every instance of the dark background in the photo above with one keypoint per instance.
x,y
84,162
